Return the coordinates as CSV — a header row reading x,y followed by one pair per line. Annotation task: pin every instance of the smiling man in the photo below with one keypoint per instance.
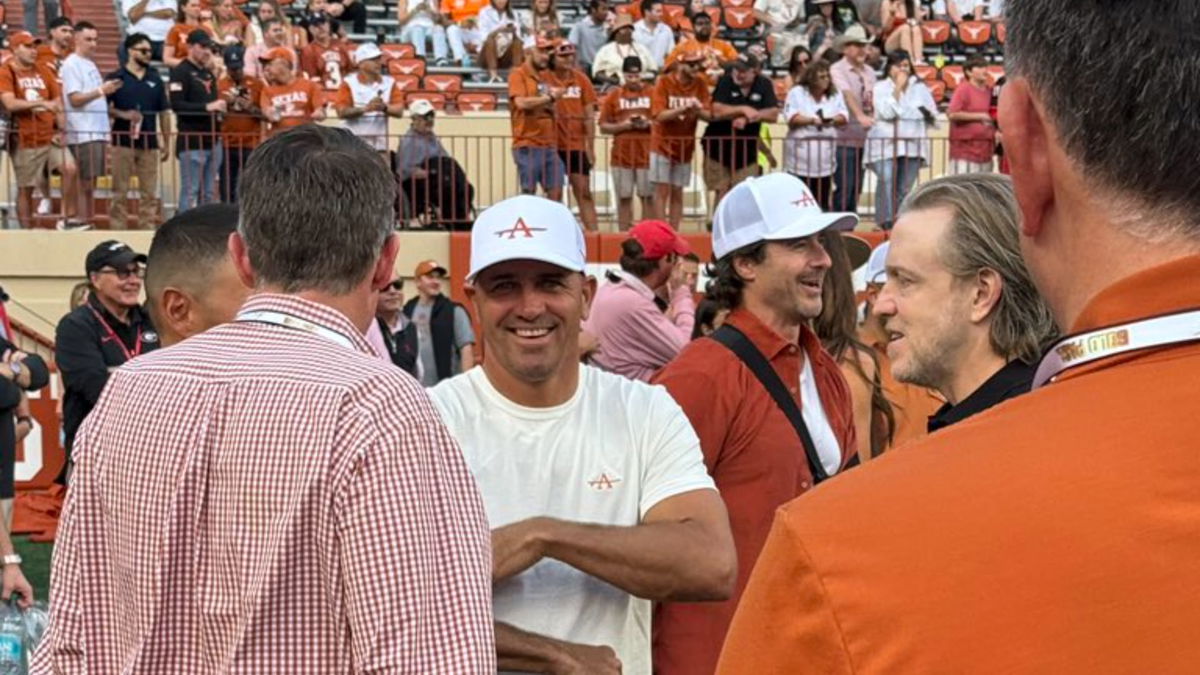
x,y
594,483
770,270
961,314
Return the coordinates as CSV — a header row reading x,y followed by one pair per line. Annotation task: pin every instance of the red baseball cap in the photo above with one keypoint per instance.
x,y
658,239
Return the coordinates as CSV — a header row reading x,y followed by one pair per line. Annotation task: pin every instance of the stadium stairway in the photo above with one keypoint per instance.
x,y
101,13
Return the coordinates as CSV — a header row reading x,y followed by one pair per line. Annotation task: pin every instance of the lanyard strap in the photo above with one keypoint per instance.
x,y
296,323
1105,342
112,334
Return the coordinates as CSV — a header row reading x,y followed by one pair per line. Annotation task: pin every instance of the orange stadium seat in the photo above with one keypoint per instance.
x,y
935,32
737,3
476,101
447,84
407,67
1001,32
995,72
739,18
953,76
715,14
938,89
407,82
672,14
974,33
631,8
398,51
927,73
438,99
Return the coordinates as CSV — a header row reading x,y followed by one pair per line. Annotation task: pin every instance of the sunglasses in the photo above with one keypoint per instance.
x,y
142,50
124,274
394,286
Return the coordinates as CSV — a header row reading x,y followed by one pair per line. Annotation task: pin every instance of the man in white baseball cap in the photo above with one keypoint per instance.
x,y
770,406
368,96
593,483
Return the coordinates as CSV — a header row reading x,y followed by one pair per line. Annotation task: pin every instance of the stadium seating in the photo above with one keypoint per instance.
x,y
407,83
953,76
398,51
740,19
938,89
476,101
935,32
927,73
995,72
975,34
407,67
1001,33
745,4
447,84
672,14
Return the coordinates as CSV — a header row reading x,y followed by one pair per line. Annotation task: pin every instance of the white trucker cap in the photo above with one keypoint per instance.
x,y
773,207
527,228
877,264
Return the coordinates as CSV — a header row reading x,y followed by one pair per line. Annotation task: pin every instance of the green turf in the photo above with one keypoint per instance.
x,y
35,564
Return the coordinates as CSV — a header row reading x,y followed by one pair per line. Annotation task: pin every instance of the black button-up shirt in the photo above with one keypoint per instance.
x,y
191,89
147,95
718,141
1014,379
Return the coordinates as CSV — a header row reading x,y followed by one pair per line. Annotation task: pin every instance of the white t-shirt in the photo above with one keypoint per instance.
x,y
372,126
421,12
818,424
606,456
809,151
155,29
89,123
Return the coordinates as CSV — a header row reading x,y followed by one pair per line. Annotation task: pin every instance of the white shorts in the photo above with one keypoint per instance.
x,y
663,170
626,179
958,166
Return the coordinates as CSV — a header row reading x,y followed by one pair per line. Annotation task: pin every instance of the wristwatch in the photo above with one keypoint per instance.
x,y
11,559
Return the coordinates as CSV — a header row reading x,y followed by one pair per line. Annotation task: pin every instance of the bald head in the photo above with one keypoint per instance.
x,y
191,283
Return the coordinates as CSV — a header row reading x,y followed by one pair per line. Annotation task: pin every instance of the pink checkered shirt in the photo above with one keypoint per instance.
x,y
260,499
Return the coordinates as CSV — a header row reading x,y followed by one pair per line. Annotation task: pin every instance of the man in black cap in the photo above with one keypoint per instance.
x,y
241,128
140,130
193,93
105,332
742,101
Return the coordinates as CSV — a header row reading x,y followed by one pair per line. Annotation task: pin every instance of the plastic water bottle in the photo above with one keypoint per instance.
x,y
13,659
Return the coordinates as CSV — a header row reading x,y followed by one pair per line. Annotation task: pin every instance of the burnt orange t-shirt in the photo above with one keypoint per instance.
x,y
715,52
1052,533
240,129
326,65
39,83
177,38
631,149
572,109
462,9
47,57
534,128
296,102
676,139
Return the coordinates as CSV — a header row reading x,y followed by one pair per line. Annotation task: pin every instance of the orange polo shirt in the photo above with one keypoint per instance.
x,y
755,458
716,51
571,110
1053,533
676,139
535,128
296,102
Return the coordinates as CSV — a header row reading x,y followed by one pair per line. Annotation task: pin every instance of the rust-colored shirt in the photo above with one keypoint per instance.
x,y
239,129
327,65
676,139
296,102
1053,533
35,128
755,458
630,149
532,128
572,109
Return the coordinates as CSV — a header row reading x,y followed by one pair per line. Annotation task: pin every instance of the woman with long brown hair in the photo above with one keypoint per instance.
x,y
837,327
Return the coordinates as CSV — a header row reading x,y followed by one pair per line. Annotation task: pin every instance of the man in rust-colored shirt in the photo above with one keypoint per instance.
x,y
1055,532
237,508
769,271
680,100
625,113
532,99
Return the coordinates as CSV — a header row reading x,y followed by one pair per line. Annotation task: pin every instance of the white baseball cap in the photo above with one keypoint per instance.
x,y
420,108
367,51
773,207
877,264
527,228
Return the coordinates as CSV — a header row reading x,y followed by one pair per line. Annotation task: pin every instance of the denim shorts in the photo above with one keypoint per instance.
x,y
538,166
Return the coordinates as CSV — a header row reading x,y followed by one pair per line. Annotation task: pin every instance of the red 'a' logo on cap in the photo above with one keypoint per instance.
x,y
521,228
804,200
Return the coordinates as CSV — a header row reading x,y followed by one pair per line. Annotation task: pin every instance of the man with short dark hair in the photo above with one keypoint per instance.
x,y
1051,533
653,33
60,43
368,97
741,102
139,145
445,338
535,136
625,113
680,100
770,269
575,118
636,337
277,456
326,59
972,129
87,114
275,35
193,93
241,127
398,332
717,54
191,283
590,33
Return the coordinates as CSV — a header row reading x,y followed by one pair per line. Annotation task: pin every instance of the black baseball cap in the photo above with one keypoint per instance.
x,y
746,62
631,64
234,57
317,18
58,22
199,37
112,253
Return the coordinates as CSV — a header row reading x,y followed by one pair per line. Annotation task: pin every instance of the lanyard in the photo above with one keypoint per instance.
x,y
1105,342
137,350
296,323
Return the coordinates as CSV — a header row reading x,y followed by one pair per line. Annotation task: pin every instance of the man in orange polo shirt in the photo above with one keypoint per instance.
x,y
575,112
681,99
717,53
287,101
532,98
769,271
241,128
625,113
1056,532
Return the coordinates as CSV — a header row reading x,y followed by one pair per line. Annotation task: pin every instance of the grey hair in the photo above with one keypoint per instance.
x,y
1126,116
984,235
317,204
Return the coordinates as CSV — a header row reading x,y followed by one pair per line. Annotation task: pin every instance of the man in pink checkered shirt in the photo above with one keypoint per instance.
x,y
268,496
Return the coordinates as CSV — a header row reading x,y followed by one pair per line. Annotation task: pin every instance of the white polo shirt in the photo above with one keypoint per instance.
x,y
89,122
606,456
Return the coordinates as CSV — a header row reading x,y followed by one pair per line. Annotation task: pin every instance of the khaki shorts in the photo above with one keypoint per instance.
x,y
90,158
720,178
625,180
663,170
31,164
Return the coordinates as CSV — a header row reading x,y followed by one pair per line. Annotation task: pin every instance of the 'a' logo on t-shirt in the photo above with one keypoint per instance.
x,y
522,228
604,482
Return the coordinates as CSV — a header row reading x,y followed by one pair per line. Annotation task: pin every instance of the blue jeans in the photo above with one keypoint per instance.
x,y
198,172
417,36
539,166
30,16
896,180
847,179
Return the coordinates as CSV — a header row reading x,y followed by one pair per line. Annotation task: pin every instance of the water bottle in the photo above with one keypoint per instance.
x,y
13,659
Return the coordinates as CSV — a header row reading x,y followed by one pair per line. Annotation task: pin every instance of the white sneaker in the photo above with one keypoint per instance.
x,y
72,226
43,207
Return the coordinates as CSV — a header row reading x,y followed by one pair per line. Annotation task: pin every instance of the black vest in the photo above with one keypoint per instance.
x,y
441,330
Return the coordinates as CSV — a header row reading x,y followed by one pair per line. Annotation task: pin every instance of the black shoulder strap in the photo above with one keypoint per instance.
x,y
737,342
